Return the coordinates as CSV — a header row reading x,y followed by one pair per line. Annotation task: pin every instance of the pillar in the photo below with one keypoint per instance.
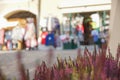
x,y
114,27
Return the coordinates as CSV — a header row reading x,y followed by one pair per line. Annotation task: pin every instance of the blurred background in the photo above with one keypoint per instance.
x,y
35,26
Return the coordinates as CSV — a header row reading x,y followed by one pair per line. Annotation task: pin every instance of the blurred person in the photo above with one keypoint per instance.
x,y
17,39
102,37
50,39
106,37
2,33
95,36
57,40
30,32
34,42
43,36
87,29
28,44
80,32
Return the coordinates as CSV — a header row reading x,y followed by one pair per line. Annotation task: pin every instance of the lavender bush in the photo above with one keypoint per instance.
x,y
90,66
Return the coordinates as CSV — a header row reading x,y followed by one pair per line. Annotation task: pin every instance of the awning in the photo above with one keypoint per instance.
x,y
73,6
86,9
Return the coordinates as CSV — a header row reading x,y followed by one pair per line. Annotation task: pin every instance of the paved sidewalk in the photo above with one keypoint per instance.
x,y
8,61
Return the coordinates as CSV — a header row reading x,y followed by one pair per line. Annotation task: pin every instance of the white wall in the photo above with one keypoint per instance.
x,y
50,8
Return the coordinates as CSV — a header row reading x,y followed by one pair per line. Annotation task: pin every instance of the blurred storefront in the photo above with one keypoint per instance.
x,y
60,17
15,37
88,14
24,12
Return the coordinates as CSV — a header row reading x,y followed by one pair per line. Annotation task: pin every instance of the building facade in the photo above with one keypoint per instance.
x,y
42,9
54,8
